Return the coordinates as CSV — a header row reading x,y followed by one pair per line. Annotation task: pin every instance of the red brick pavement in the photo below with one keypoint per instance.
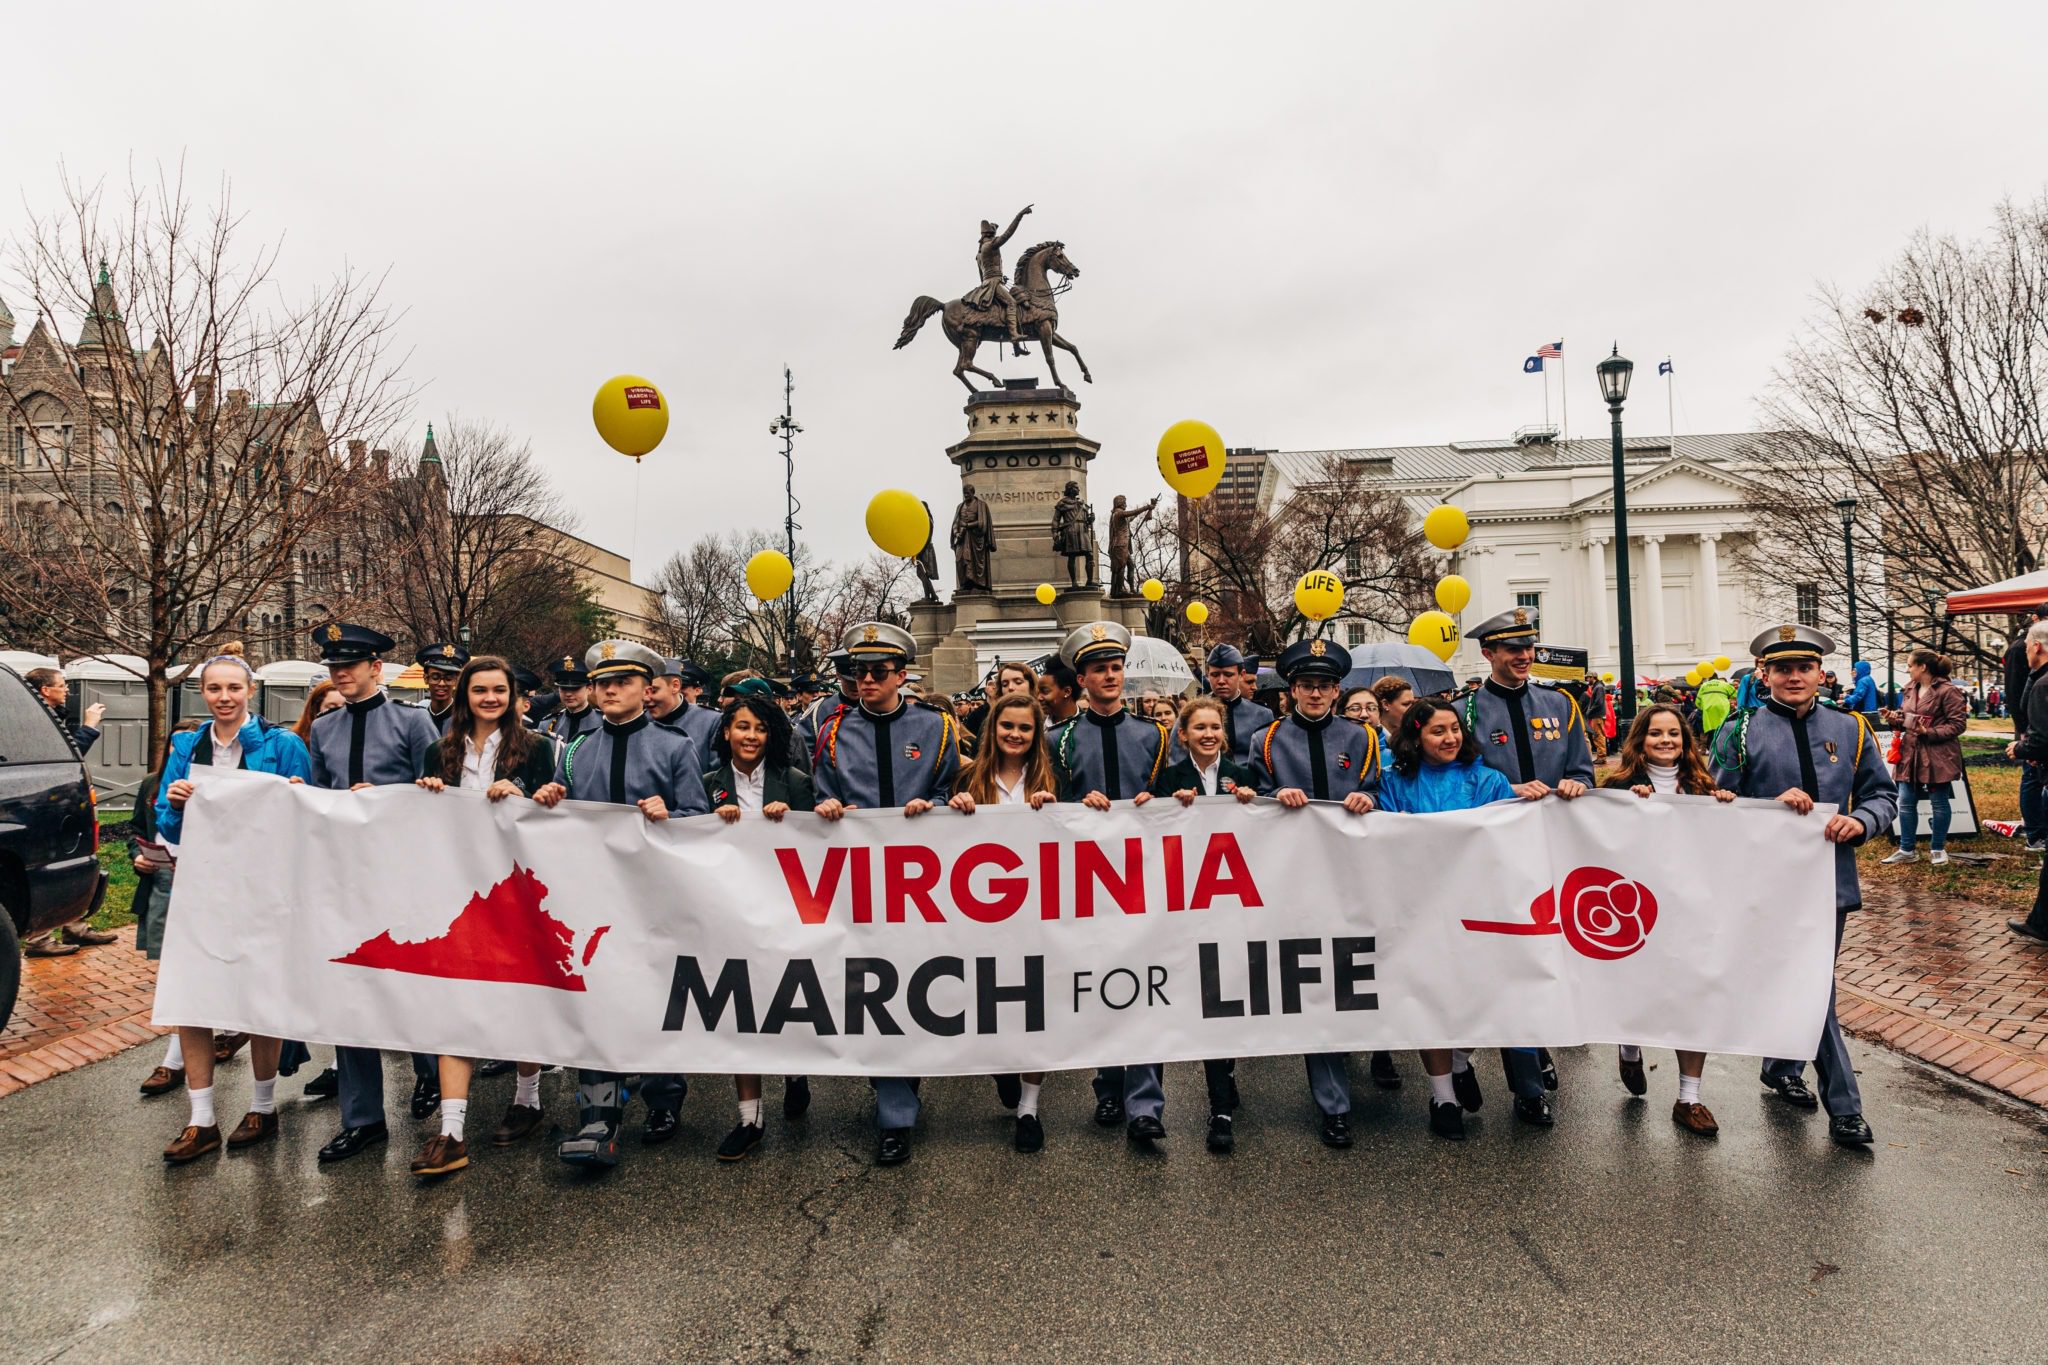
x,y
77,1010
1944,980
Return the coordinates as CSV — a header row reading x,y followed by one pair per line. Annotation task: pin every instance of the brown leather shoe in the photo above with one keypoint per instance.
x,y
441,1155
1632,1077
520,1120
88,937
1696,1117
48,947
193,1143
253,1128
226,1045
164,1080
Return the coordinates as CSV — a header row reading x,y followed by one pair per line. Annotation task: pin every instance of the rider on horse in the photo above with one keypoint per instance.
x,y
988,258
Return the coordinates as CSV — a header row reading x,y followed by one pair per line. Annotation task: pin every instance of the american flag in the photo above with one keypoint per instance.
x,y
1551,350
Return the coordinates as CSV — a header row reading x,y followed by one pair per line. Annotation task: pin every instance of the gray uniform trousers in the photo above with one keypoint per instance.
x,y
1838,1092
360,1071
1144,1093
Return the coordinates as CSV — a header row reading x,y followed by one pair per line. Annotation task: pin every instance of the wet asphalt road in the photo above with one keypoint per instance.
x,y
1613,1237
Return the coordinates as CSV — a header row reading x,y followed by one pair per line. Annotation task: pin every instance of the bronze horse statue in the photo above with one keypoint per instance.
x,y
967,327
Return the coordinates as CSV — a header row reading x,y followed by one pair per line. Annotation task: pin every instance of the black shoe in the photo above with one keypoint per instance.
x,y
1632,1076
1110,1112
744,1138
1145,1129
661,1126
2020,927
1850,1130
1222,1134
1548,1067
1447,1121
324,1086
350,1141
1384,1073
495,1068
596,1143
1009,1091
796,1097
1336,1130
1792,1090
426,1097
1030,1133
894,1147
1534,1109
1465,1085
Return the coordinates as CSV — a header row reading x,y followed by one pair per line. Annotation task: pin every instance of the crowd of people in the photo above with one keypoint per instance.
x,y
626,726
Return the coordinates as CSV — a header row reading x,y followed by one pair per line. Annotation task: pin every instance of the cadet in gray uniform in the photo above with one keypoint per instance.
x,y
441,665
575,716
1101,754
823,709
1316,755
1536,738
665,703
884,754
1231,679
371,741
628,761
1794,750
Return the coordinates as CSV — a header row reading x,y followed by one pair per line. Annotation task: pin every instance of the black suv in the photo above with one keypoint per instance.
x,y
49,831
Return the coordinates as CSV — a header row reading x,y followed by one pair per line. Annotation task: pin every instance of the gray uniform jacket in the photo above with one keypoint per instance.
x,y
625,764
564,726
376,740
1118,755
1529,734
1831,755
1328,758
813,720
877,762
700,723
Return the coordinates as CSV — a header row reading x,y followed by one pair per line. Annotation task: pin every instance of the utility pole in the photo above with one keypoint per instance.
x,y
787,428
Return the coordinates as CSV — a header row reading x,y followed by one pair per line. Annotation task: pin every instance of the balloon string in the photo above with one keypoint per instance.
x,y
633,537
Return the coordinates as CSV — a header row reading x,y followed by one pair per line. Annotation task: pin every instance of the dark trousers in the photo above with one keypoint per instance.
x,y
2033,802
361,1074
1839,1093
605,1090
2037,918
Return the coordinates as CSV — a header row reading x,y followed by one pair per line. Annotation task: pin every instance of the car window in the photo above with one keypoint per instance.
x,y
28,732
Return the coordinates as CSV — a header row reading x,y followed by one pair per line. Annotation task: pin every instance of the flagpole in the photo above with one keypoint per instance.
x,y
1544,370
1670,407
1564,397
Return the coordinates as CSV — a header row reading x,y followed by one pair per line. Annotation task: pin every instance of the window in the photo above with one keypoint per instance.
x,y
28,733
1354,634
1531,600
1807,597
1354,566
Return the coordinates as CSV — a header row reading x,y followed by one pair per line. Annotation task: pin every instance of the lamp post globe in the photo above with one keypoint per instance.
x,y
1614,373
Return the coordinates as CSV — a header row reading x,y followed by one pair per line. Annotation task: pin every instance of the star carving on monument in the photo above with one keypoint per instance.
x,y
1031,417
1013,419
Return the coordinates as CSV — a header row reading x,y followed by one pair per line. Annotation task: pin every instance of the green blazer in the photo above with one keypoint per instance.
x,y
789,785
1180,776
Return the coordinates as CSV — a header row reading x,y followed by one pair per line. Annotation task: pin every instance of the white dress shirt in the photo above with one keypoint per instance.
x,y
479,765
749,789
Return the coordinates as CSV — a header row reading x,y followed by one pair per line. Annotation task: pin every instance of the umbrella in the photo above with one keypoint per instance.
x,y
1424,671
2013,595
1153,665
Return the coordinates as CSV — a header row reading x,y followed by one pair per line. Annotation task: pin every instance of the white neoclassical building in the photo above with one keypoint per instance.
x,y
1542,514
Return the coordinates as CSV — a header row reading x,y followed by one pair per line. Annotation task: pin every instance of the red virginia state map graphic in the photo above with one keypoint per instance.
x,y
502,935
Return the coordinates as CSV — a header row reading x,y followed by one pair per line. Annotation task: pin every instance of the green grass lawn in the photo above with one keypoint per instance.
x,y
2010,881
118,907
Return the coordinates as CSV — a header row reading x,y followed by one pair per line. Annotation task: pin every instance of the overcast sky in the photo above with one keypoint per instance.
x,y
1310,226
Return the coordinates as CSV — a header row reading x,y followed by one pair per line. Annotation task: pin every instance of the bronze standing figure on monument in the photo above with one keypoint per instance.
x,y
926,561
993,311
1073,535
1120,545
973,537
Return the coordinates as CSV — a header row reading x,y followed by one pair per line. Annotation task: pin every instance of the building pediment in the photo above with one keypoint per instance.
x,y
1675,483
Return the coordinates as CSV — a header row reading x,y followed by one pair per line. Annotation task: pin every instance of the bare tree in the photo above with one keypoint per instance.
x,y
153,501
709,614
1919,395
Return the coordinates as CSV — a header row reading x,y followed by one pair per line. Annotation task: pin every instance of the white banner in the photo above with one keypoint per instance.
x,y
1008,940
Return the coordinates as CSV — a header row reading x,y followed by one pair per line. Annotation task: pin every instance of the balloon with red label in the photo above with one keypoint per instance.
x,y
630,413
1191,459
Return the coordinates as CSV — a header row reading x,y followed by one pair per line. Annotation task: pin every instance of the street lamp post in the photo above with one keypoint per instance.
x,y
462,634
1846,505
1614,373
787,427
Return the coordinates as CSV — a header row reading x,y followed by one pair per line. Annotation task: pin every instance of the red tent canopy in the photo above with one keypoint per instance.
x,y
2014,595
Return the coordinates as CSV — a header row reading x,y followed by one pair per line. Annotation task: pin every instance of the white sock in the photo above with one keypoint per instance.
x,y
527,1091
1631,1053
1027,1099
750,1113
174,1055
202,1107
453,1112
1440,1090
1688,1090
264,1101
1461,1060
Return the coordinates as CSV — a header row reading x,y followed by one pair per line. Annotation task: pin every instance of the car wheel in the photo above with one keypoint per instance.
x,y
10,968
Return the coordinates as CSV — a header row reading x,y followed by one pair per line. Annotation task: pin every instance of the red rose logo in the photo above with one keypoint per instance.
x,y
1602,914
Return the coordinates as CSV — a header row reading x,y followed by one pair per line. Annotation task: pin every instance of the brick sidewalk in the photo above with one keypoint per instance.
x,y
77,1010
1942,979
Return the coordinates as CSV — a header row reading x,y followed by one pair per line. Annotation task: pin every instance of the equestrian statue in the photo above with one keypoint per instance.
x,y
994,311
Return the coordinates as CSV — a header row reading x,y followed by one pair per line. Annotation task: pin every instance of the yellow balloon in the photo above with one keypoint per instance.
x,y
630,413
1705,668
1319,595
1436,632
1606,677
1446,527
1453,593
1692,677
1191,459
1722,663
1152,589
769,574
897,523
1198,612
1046,593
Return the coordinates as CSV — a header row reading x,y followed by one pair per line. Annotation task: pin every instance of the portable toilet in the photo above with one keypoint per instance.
x,y
286,685
21,661
120,759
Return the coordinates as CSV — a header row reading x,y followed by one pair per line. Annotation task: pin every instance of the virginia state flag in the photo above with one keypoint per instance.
x,y
1533,365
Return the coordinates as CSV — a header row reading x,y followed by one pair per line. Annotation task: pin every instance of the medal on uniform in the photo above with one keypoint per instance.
x,y
1829,745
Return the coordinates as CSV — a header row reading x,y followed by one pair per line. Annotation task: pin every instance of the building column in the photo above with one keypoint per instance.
x,y
1596,580
1710,587
1653,599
